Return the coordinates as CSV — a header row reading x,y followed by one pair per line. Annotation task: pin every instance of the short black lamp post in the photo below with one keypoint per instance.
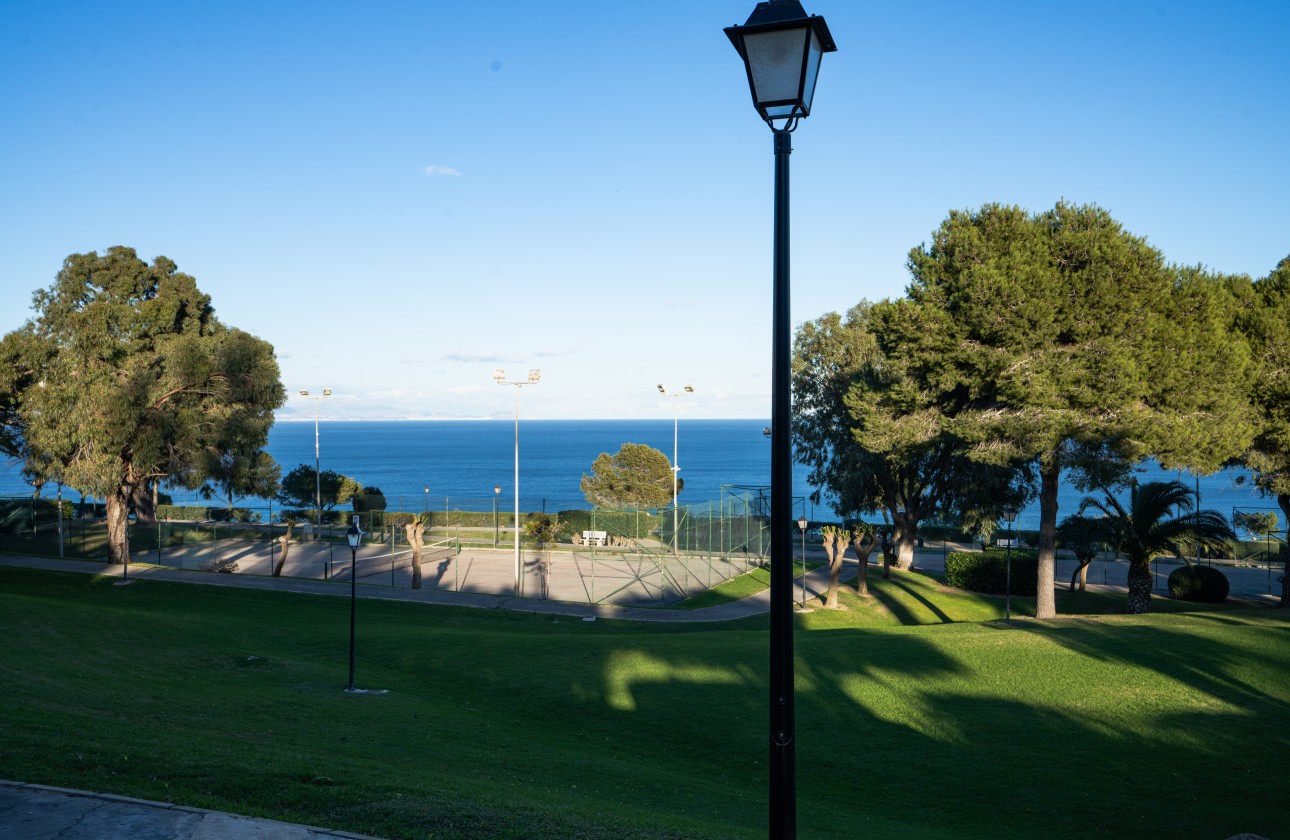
x,y
801,526
781,49
354,536
1009,514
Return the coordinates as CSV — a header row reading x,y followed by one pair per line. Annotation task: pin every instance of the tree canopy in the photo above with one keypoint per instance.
x,y
636,476
125,376
1062,340
301,486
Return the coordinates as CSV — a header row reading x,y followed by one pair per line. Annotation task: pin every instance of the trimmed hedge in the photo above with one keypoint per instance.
x,y
1203,584
987,571
619,522
204,513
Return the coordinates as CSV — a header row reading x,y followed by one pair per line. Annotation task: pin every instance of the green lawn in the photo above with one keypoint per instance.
x,y
912,724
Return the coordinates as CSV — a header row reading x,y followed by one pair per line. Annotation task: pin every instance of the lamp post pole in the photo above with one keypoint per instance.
x,y
535,376
1009,513
317,460
801,526
497,492
354,535
427,505
781,49
676,467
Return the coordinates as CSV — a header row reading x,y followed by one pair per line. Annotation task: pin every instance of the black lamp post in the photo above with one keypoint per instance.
x,y
354,536
1009,514
781,48
801,526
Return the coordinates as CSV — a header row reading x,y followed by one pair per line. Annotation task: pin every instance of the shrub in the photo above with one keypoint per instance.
x,y
986,571
1203,584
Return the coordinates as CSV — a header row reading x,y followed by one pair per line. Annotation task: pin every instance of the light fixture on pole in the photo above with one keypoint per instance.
x,y
497,492
801,526
676,467
326,392
781,48
427,505
1009,514
535,376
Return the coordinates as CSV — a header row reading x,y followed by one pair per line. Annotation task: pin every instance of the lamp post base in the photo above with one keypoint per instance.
x,y
367,691
123,583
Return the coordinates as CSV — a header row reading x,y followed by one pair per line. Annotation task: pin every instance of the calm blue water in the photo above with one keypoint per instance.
x,y
461,461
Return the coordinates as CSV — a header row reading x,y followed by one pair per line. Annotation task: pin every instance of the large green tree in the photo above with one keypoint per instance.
x,y
126,376
636,476
1071,345
1265,320
877,440
303,486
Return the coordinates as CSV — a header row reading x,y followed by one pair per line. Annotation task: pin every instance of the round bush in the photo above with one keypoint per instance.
x,y
1203,584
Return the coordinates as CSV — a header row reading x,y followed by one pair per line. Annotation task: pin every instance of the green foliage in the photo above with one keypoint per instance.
x,y
1148,528
631,524
876,439
1256,523
367,499
217,514
543,529
636,476
1203,584
1265,321
987,571
303,485
125,375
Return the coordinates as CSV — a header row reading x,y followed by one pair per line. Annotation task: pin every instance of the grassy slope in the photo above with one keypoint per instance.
x,y
505,725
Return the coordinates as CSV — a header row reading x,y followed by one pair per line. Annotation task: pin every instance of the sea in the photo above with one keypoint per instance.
x,y
455,464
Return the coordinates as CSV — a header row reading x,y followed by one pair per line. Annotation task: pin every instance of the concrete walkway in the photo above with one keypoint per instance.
x,y
38,812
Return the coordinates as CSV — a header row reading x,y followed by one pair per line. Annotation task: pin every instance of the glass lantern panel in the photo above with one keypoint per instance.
x,y
775,64
812,71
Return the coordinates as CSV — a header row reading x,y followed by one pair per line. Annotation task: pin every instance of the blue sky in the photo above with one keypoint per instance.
x,y
403,196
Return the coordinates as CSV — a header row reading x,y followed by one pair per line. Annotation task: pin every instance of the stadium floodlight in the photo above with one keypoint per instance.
x,y
535,376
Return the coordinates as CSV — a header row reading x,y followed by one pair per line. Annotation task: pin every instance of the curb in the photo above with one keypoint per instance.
x,y
170,806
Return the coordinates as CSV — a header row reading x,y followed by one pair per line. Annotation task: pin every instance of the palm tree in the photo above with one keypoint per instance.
x,y
1149,529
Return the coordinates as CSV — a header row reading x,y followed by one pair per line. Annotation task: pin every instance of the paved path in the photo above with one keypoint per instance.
x,y
37,812
817,581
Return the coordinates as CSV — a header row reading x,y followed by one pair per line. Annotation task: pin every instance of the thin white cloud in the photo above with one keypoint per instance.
x,y
472,358
436,171
553,353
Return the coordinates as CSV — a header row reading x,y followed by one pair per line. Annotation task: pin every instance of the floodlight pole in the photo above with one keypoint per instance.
x,y
499,376
317,460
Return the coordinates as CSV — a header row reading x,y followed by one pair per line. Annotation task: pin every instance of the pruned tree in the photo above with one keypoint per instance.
x,y
1084,537
864,539
125,376
636,476
415,531
834,540
1161,519
544,530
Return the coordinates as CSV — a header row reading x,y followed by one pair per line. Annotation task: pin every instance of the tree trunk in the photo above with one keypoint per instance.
x,y
832,544
416,538
906,538
118,507
1139,587
1045,596
285,539
1283,500
145,508
1080,575
863,547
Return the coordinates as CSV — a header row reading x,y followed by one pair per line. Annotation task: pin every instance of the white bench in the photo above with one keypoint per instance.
x,y
595,537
